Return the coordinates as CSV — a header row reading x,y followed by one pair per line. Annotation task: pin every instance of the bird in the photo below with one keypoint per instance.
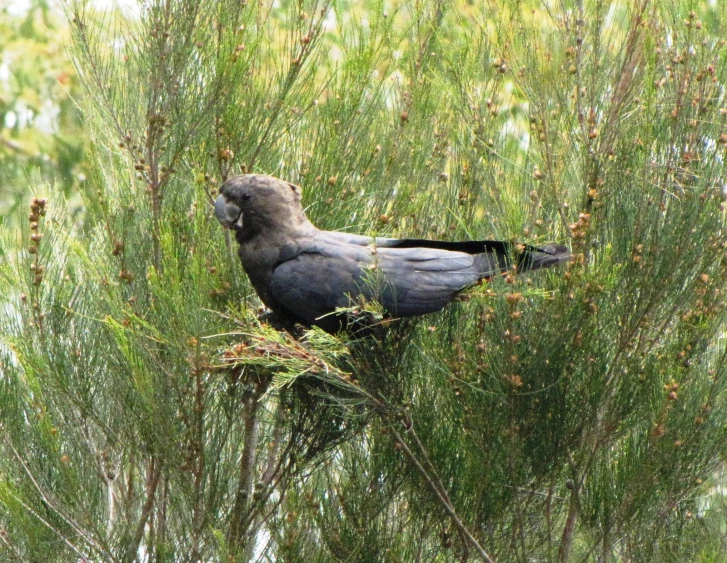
x,y
311,276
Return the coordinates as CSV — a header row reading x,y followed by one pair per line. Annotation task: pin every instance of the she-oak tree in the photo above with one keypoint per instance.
x,y
149,412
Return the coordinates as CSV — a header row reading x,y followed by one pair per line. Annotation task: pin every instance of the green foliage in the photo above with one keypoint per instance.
x,y
150,412
40,125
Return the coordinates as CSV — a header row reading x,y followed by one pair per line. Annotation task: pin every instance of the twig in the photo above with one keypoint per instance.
x,y
154,473
12,145
549,520
47,502
198,518
6,540
314,32
73,548
436,486
102,471
162,514
281,484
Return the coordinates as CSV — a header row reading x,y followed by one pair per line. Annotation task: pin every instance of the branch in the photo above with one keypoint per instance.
x,y
48,525
154,472
570,524
238,522
314,33
5,539
278,480
270,464
47,502
436,485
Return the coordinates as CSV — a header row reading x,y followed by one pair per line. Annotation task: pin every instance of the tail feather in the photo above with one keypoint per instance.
x,y
495,255
538,257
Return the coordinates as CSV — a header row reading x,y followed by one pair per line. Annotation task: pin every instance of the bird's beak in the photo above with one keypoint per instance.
x,y
228,213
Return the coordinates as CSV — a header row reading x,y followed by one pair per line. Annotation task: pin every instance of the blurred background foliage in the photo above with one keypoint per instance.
x,y
41,133
148,411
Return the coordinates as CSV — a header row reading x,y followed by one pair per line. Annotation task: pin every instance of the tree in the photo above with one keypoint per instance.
x,y
149,411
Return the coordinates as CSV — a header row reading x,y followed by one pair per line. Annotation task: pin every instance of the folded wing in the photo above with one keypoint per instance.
x,y
408,277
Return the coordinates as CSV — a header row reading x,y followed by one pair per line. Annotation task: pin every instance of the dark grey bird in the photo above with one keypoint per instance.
x,y
304,274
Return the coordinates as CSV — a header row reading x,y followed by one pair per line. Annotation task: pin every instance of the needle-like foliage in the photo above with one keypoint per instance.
x,y
149,411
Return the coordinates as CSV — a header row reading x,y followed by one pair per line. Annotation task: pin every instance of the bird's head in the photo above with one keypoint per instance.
x,y
254,203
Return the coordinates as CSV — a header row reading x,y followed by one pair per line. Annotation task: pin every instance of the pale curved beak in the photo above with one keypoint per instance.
x,y
228,213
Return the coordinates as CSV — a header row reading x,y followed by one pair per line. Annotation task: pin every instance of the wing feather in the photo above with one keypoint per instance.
x,y
408,277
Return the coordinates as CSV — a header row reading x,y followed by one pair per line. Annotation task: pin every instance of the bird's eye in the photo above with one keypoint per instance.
x,y
245,196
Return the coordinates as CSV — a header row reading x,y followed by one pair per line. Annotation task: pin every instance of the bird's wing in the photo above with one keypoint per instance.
x,y
423,280
322,276
407,276
423,275
406,282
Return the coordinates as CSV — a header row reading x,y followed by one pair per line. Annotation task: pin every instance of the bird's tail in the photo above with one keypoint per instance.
x,y
537,257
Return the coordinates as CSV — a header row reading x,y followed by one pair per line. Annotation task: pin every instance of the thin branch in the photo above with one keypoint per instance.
x,y
6,540
198,518
549,519
237,534
436,486
102,472
48,525
15,147
162,514
153,474
566,540
271,460
278,481
314,33
47,501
